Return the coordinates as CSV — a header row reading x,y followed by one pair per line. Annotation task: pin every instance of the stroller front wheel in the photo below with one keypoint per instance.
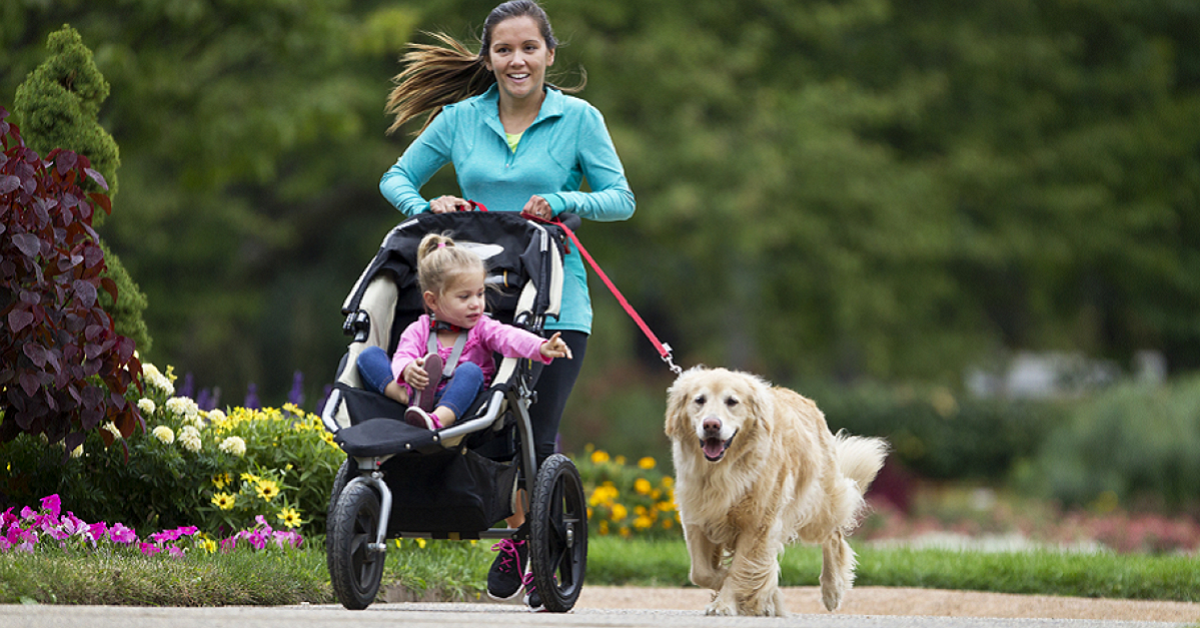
x,y
355,570
558,531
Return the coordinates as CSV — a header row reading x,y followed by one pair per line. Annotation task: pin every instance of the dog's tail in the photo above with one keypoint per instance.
x,y
860,457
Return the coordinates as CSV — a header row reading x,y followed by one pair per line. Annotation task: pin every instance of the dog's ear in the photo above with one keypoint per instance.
x,y
678,395
761,403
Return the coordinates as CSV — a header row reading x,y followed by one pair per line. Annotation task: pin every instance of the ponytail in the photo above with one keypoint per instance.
x,y
435,76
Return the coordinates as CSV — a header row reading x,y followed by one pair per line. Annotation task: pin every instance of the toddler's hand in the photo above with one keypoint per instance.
x,y
556,348
415,374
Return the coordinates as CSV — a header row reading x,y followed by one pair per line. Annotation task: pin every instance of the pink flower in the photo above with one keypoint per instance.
x,y
96,531
53,504
175,552
149,549
121,534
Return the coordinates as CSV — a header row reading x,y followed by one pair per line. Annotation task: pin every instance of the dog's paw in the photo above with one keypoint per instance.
x,y
722,605
831,596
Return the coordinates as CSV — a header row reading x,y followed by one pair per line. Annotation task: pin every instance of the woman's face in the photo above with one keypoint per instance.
x,y
518,56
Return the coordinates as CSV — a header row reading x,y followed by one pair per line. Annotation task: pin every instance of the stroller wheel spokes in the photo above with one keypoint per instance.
x,y
356,568
558,533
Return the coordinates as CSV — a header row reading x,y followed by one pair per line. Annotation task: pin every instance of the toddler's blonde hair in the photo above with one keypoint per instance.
x,y
440,261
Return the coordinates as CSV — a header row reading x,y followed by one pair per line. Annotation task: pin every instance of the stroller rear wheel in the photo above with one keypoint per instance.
x,y
558,531
355,570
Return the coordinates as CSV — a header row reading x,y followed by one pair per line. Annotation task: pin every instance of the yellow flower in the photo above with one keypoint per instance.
x,y
249,477
619,512
603,528
290,517
643,522
646,463
209,546
224,501
420,542
599,456
267,489
642,486
620,460
221,480
668,482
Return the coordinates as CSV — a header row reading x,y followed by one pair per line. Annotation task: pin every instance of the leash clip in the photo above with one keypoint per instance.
x,y
666,357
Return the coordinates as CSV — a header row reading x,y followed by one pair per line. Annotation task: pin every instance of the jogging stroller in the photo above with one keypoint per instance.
x,y
459,482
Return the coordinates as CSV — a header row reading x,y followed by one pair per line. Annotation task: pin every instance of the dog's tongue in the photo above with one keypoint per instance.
x,y
713,448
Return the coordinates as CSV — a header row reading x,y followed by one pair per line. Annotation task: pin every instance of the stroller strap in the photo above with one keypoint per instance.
x,y
459,342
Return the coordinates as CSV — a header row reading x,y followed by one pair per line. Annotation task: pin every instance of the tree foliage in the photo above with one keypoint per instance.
x,y
860,188
63,368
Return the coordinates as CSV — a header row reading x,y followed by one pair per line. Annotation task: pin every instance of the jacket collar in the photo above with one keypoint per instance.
x,y
552,107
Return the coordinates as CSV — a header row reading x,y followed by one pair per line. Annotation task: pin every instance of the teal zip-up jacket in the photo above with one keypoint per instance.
x,y
567,143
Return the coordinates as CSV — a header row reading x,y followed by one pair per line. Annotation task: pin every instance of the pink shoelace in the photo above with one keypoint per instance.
x,y
509,555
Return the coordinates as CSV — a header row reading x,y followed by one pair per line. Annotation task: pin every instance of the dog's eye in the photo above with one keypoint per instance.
x,y
731,401
701,400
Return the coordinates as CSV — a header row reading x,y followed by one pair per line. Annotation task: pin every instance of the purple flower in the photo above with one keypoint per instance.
x,y
252,397
296,396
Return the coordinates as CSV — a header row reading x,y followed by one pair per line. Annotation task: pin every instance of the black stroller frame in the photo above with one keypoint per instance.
x,y
458,482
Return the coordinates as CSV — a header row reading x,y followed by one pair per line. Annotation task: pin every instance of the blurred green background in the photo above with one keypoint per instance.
x,y
857,192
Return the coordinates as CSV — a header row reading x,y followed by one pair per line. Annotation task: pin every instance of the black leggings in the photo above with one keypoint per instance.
x,y
553,387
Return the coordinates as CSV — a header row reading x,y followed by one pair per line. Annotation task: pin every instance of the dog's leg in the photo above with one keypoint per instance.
x,y
837,570
707,557
754,575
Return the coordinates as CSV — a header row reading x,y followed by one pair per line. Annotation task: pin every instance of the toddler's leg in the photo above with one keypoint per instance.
x,y
460,393
376,371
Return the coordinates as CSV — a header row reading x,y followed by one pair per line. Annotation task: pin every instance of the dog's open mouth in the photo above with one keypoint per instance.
x,y
714,448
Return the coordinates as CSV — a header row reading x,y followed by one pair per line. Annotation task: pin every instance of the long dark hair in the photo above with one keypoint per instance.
x,y
438,75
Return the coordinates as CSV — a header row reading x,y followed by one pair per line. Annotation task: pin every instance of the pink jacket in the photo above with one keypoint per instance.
x,y
486,337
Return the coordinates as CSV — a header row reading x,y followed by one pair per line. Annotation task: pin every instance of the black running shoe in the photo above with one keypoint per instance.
x,y
506,577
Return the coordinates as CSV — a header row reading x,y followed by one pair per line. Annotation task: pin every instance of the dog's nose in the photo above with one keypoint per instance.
x,y
711,425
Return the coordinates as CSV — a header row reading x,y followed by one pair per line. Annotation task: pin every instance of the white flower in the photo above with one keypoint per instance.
x,y
112,428
146,406
77,452
216,415
186,409
234,445
164,434
155,378
189,439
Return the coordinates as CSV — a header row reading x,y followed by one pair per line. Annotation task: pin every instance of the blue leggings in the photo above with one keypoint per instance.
x,y
457,395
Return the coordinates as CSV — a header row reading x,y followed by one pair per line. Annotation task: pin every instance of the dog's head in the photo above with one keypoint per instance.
x,y
715,409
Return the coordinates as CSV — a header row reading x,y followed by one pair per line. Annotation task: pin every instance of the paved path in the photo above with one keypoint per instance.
x,y
445,615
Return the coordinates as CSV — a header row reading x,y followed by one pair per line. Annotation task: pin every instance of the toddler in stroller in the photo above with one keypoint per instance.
x,y
458,481
444,358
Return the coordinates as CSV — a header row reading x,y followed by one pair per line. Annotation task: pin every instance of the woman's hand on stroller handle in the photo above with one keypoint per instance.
x,y
556,348
445,204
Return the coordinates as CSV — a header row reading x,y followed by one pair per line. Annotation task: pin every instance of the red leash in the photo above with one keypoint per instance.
x,y
664,349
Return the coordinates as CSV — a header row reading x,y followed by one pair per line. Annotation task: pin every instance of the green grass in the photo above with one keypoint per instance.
x,y
458,570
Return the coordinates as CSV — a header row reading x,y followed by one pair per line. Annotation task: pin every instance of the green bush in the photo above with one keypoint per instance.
x,y
1137,445
939,435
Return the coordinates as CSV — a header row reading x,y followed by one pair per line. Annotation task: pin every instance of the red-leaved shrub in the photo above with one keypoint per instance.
x,y
63,368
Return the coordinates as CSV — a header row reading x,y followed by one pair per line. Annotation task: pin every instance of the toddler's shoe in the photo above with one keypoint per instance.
x,y
433,366
418,417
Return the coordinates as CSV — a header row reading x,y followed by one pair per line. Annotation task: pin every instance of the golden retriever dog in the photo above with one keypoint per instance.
x,y
757,468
